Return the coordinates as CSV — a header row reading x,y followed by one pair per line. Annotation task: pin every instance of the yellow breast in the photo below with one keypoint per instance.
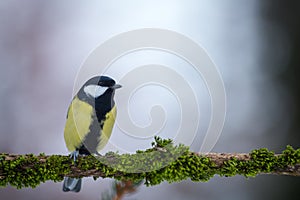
x,y
78,122
80,116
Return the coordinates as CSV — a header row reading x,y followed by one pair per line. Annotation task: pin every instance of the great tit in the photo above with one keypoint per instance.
x,y
90,119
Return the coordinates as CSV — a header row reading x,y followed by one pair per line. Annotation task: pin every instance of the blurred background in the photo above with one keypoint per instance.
x,y
255,44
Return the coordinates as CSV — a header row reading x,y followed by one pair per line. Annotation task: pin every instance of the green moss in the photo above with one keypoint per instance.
x,y
28,171
163,162
262,161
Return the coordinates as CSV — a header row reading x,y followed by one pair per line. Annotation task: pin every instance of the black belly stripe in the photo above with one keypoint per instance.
x,y
91,141
102,106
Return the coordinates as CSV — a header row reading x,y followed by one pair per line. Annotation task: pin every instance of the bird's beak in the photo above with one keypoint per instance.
x,y
116,86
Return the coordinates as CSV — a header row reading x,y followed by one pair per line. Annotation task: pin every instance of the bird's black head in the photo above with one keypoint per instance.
x,y
103,81
106,81
98,87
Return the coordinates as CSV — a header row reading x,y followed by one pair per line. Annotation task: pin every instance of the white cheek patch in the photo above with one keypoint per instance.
x,y
94,90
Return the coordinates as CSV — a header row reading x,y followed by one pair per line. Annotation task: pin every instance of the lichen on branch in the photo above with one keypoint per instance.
x,y
163,162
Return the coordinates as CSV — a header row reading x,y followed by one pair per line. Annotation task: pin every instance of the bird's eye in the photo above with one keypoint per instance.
x,y
100,83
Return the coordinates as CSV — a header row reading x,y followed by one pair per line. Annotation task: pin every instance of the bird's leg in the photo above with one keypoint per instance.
x,y
97,154
74,155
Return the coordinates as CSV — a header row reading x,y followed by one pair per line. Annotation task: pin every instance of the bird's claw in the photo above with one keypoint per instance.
x,y
74,155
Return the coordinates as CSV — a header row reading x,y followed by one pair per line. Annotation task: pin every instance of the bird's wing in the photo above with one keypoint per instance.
x,y
108,124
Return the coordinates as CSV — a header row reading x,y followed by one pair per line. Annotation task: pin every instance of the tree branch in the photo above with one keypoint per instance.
x,y
220,158
163,162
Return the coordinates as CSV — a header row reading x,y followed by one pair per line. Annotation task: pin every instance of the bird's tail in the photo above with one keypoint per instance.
x,y
72,184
